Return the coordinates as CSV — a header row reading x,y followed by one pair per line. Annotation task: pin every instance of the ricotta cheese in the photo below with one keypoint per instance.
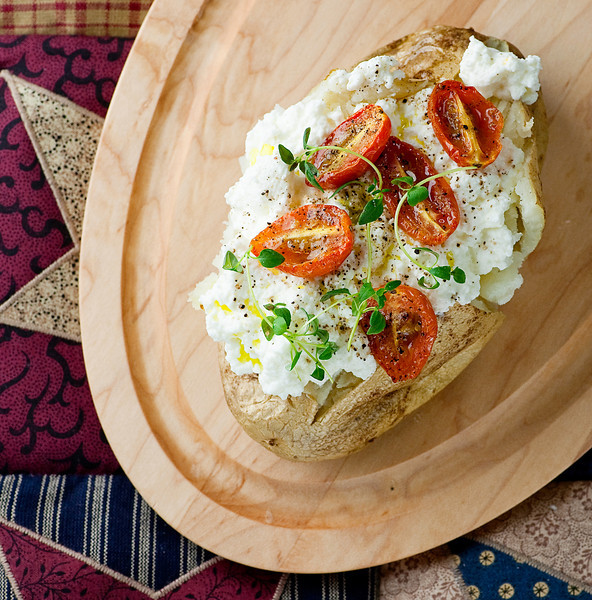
x,y
500,74
485,242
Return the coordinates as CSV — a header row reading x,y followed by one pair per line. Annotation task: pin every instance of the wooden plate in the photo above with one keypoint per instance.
x,y
199,75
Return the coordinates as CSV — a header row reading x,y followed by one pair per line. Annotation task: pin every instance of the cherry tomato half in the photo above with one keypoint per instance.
x,y
467,125
403,347
431,221
366,133
313,239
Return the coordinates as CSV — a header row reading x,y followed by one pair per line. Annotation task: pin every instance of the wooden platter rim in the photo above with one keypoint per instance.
x,y
146,442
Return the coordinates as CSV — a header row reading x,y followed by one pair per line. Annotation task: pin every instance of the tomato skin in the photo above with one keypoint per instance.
x,y
314,240
404,346
467,125
365,132
432,221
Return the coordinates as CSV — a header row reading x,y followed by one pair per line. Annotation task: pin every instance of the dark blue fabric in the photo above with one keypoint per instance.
x,y
104,518
581,470
122,533
492,574
353,585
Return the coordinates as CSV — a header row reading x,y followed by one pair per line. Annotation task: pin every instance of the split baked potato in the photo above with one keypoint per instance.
x,y
357,411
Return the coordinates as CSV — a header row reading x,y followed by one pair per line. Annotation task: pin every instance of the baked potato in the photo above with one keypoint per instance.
x,y
355,410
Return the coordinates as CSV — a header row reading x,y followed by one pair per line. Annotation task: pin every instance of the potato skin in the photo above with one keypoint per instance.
x,y
296,428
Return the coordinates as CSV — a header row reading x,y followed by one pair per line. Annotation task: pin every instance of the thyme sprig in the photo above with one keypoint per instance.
x,y
303,163
414,193
277,319
361,304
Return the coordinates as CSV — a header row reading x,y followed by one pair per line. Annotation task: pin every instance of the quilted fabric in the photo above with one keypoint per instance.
x,y
120,18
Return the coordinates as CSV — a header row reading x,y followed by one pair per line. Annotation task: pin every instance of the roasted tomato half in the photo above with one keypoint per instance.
x,y
366,133
313,239
403,347
467,125
431,221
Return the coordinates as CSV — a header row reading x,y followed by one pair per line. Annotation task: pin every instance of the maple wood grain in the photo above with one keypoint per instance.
x,y
199,75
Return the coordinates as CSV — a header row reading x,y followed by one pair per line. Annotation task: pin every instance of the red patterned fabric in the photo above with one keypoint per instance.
x,y
41,569
85,70
47,419
48,423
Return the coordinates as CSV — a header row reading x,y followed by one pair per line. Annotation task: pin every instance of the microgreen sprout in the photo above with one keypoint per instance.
x,y
360,304
310,171
414,193
277,320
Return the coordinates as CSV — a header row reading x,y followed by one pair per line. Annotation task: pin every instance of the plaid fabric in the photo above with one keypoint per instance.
x,y
121,18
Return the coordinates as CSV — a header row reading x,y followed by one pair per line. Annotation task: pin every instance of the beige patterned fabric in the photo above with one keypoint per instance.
x,y
551,531
65,137
427,576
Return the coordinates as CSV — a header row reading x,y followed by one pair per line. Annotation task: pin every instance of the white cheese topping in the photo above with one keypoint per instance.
x,y
485,242
375,73
500,74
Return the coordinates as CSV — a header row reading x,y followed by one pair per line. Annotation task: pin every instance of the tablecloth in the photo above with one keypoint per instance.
x,y
71,524
120,18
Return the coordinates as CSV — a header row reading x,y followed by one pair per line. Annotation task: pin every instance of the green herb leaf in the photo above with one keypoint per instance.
x,y
283,313
398,180
329,350
305,138
267,330
311,172
377,323
318,373
422,283
332,293
280,326
295,359
392,285
356,305
416,195
366,291
313,323
440,272
372,211
286,155
322,334
231,263
459,275
270,258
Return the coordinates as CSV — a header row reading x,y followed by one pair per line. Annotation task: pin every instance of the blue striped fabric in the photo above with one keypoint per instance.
x,y
105,519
